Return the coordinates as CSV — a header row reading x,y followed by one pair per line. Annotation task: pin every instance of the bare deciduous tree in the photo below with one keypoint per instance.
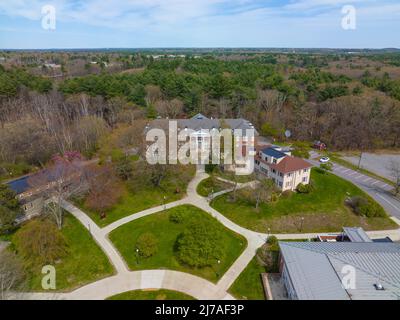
x,y
104,188
394,168
11,275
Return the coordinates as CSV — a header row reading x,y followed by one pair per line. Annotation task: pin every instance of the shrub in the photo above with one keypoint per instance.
x,y
301,153
365,207
304,188
177,217
371,210
211,168
287,194
272,242
7,218
326,166
199,245
274,197
40,242
268,256
319,170
147,244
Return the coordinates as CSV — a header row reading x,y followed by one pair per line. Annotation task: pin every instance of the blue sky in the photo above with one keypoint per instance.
x,y
199,23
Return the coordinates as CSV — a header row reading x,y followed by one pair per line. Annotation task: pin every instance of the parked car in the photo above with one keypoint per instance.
x,y
324,160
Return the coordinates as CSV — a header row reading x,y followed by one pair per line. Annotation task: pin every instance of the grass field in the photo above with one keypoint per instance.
x,y
151,295
323,210
248,286
125,237
210,185
84,263
141,199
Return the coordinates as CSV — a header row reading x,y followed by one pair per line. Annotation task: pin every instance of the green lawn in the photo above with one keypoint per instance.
x,y
248,286
151,295
323,210
141,199
124,238
210,185
85,262
239,179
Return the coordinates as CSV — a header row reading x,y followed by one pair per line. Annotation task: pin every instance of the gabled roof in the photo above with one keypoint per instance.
x,y
314,278
272,152
290,164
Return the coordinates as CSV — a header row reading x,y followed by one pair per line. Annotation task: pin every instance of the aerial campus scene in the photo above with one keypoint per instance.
x,y
173,150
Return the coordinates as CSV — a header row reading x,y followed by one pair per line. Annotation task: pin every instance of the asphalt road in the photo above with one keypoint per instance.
x,y
377,189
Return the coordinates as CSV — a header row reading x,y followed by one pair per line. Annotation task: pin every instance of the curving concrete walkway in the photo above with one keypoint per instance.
x,y
197,287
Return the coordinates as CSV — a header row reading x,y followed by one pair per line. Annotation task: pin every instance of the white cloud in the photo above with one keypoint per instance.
x,y
167,15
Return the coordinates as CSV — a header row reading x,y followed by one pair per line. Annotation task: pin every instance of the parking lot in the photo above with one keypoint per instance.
x,y
378,163
377,189
361,178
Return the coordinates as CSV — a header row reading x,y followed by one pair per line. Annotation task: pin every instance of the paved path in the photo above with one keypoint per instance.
x,y
199,288
194,286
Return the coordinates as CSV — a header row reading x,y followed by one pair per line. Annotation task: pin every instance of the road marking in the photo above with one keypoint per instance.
x,y
347,170
358,177
396,207
353,173
367,179
375,182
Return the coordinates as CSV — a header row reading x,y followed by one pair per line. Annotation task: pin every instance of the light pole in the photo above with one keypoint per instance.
x,y
301,226
218,264
164,202
269,232
137,255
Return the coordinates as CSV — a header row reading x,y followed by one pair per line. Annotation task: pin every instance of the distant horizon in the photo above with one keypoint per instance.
x,y
202,48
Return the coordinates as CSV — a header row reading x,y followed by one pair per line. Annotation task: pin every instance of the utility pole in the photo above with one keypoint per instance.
x,y
359,161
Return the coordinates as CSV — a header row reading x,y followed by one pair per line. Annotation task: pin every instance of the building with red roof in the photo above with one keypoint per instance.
x,y
286,171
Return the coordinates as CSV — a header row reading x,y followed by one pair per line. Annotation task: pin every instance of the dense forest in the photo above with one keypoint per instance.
x,y
52,102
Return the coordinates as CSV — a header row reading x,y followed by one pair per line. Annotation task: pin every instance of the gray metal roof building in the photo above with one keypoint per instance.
x,y
199,122
315,270
356,234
